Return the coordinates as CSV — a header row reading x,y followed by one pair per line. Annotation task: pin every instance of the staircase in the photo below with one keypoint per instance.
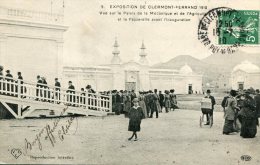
x,y
22,99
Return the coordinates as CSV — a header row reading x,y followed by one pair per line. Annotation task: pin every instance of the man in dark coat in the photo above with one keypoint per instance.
x,y
45,88
39,86
57,90
153,105
20,80
9,78
213,102
161,99
117,103
257,102
147,102
71,93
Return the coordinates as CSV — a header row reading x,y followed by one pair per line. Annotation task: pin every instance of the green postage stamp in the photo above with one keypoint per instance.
x,y
238,26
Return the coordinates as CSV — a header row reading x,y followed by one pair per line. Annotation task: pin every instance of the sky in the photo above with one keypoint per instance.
x,y
90,37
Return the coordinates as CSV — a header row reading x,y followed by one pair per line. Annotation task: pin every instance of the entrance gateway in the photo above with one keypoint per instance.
x,y
131,80
241,85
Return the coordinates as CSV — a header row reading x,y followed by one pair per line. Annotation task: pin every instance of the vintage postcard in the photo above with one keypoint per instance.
x,y
130,82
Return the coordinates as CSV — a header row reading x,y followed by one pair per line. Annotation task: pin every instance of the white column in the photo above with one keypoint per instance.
x,y
59,58
3,42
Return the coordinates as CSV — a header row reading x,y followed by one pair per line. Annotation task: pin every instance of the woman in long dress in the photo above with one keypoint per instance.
x,y
167,101
173,99
230,113
135,117
142,104
248,118
158,106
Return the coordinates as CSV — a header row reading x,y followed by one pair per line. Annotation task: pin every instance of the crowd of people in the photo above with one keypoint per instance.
x,y
241,108
150,101
241,112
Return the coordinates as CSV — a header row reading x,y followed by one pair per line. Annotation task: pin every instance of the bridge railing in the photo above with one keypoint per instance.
x,y
37,16
54,95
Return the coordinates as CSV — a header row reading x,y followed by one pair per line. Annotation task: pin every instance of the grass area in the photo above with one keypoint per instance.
x,y
193,101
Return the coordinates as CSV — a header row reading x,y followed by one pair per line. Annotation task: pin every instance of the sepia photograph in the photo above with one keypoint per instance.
x,y
130,82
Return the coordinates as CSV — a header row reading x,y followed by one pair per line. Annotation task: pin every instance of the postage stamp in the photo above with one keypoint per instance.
x,y
223,30
238,26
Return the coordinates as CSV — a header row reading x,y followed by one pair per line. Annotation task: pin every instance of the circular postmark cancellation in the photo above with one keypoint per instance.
x,y
246,158
223,30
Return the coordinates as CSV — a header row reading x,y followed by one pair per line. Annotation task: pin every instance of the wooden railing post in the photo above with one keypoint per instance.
x,y
19,96
19,88
110,103
87,103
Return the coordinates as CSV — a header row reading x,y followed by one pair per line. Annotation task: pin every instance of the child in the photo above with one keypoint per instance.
x,y
135,116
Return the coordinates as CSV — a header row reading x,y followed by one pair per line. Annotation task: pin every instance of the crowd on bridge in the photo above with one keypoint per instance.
x,y
10,86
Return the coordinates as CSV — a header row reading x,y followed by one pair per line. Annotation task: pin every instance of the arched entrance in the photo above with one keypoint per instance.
x,y
131,80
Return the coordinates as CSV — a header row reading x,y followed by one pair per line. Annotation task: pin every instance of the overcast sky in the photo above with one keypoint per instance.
x,y
90,37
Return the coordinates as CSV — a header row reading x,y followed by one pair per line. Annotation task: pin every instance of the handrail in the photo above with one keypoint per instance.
x,y
49,86
46,93
31,15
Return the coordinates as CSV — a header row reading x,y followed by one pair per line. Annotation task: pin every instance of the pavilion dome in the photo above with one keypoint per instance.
x,y
186,69
247,66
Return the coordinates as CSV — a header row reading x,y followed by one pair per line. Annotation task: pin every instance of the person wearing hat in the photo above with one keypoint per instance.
x,y
167,101
135,117
142,103
57,89
20,78
153,104
71,93
161,99
133,95
9,78
127,103
257,102
159,109
213,102
247,116
45,91
118,105
230,113
173,99
38,87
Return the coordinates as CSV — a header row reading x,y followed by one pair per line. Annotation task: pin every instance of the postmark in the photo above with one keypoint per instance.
x,y
246,158
223,30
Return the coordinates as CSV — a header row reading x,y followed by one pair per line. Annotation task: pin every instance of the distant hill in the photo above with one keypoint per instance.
x,y
177,62
208,71
212,66
227,62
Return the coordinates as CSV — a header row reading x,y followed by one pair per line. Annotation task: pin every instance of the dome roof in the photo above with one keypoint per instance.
x,y
186,69
247,66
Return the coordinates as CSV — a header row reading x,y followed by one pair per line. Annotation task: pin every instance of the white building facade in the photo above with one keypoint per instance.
x,y
30,41
132,75
245,75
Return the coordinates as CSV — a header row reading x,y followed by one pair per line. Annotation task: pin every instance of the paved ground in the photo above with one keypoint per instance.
x,y
173,138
